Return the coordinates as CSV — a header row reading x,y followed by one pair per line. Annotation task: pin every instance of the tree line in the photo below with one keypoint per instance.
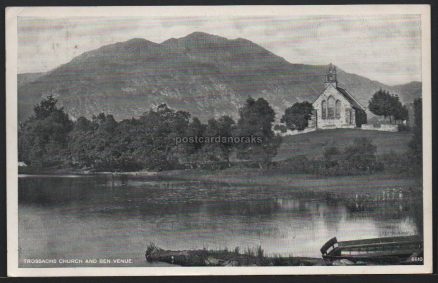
x,y
49,138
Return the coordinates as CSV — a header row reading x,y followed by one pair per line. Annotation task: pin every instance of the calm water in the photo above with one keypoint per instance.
x,y
96,217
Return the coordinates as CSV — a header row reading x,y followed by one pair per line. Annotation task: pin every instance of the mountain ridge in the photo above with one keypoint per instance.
x,y
204,74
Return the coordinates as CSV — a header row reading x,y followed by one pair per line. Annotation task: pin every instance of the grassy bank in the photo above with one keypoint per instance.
x,y
312,144
225,257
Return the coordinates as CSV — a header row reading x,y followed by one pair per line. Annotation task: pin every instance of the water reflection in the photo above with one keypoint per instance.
x,y
112,217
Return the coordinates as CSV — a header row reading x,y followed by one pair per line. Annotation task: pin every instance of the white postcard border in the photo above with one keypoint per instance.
x,y
56,12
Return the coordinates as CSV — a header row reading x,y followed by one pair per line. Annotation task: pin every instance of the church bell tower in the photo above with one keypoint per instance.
x,y
330,78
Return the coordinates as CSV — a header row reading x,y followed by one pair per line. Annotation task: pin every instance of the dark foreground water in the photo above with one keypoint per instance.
x,y
101,217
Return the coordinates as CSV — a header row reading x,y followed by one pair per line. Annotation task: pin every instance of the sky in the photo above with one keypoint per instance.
x,y
386,48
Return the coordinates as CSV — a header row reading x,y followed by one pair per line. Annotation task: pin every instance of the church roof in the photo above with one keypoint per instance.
x,y
350,98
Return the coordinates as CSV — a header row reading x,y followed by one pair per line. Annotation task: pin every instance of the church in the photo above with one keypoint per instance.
x,y
335,107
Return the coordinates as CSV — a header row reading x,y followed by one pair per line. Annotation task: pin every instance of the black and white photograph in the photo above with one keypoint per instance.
x,y
221,140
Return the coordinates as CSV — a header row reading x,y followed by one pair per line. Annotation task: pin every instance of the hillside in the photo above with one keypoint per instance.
x,y
26,78
313,144
204,74
410,91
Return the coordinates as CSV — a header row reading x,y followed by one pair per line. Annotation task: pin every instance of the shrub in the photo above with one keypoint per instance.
x,y
298,164
281,128
358,158
403,128
361,154
397,162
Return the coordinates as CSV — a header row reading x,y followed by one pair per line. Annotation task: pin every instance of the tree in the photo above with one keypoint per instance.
x,y
81,140
361,117
95,146
399,111
297,116
223,128
416,143
388,105
162,127
43,137
46,107
83,124
194,129
256,118
381,103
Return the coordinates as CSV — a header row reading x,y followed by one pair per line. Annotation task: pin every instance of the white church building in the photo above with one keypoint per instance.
x,y
335,107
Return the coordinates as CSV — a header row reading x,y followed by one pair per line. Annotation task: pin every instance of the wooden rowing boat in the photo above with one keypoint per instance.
x,y
394,250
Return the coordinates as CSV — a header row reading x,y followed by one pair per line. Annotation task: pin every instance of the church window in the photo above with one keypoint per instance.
x,y
338,109
324,109
331,108
347,115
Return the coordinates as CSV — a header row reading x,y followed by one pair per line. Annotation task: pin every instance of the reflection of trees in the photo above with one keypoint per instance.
x,y
395,210
127,197
389,201
247,208
56,190
332,214
115,195
417,215
388,209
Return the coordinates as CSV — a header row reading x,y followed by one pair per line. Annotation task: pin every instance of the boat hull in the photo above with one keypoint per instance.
x,y
389,250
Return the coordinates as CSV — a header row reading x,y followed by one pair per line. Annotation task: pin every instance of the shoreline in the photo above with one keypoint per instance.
x,y
226,257
298,181
63,172
251,177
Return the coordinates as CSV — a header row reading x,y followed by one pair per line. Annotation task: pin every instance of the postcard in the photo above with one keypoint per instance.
x,y
219,140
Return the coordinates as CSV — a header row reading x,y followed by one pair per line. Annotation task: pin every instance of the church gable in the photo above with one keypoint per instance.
x,y
331,103
335,107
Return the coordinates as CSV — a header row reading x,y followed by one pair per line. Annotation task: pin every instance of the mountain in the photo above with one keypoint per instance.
x,y
409,91
204,74
23,79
